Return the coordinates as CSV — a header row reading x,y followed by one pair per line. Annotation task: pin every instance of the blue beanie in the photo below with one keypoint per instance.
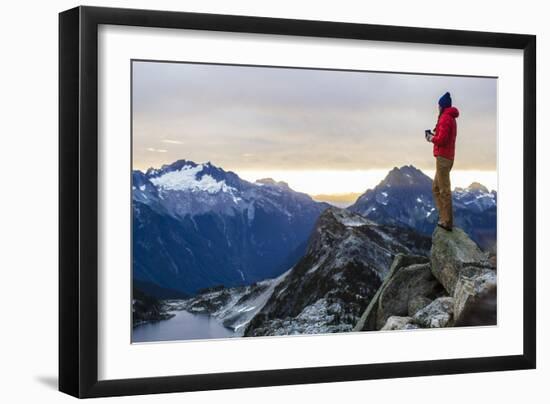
x,y
445,101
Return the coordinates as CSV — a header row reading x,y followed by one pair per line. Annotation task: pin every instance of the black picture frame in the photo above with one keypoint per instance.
x,y
78,200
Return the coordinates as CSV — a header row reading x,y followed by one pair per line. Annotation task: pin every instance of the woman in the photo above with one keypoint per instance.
x,y
444,152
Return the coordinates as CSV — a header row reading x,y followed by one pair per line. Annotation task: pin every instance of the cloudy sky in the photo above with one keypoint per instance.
x,y
304,125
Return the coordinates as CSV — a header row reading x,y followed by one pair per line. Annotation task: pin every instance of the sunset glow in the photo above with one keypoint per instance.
x,y
314,182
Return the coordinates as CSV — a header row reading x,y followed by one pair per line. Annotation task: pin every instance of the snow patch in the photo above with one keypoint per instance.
x,y
382,198
350,220
246,309
314,268
354,221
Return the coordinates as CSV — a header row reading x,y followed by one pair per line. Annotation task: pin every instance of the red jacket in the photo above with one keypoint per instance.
x,y
445,134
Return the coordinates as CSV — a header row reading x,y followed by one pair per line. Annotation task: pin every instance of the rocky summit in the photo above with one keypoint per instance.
x,y
451,252
347,258
455,287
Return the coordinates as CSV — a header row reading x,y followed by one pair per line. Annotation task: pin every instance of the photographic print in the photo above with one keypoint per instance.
x,y
277,201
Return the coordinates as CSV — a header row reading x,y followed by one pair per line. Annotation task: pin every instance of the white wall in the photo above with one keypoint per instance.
x,y
28,200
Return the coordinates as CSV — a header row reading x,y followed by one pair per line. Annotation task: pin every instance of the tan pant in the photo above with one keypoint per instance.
x,y
441,189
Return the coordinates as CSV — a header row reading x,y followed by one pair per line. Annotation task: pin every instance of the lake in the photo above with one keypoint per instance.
x,y
183,326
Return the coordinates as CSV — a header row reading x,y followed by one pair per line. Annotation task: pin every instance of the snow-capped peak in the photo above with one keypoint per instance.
x,y
187,179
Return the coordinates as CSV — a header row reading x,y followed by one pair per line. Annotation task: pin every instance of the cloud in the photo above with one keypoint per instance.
x,y
279,118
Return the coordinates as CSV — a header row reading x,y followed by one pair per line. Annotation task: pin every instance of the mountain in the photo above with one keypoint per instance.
x,y
347,258
197,226
404,198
